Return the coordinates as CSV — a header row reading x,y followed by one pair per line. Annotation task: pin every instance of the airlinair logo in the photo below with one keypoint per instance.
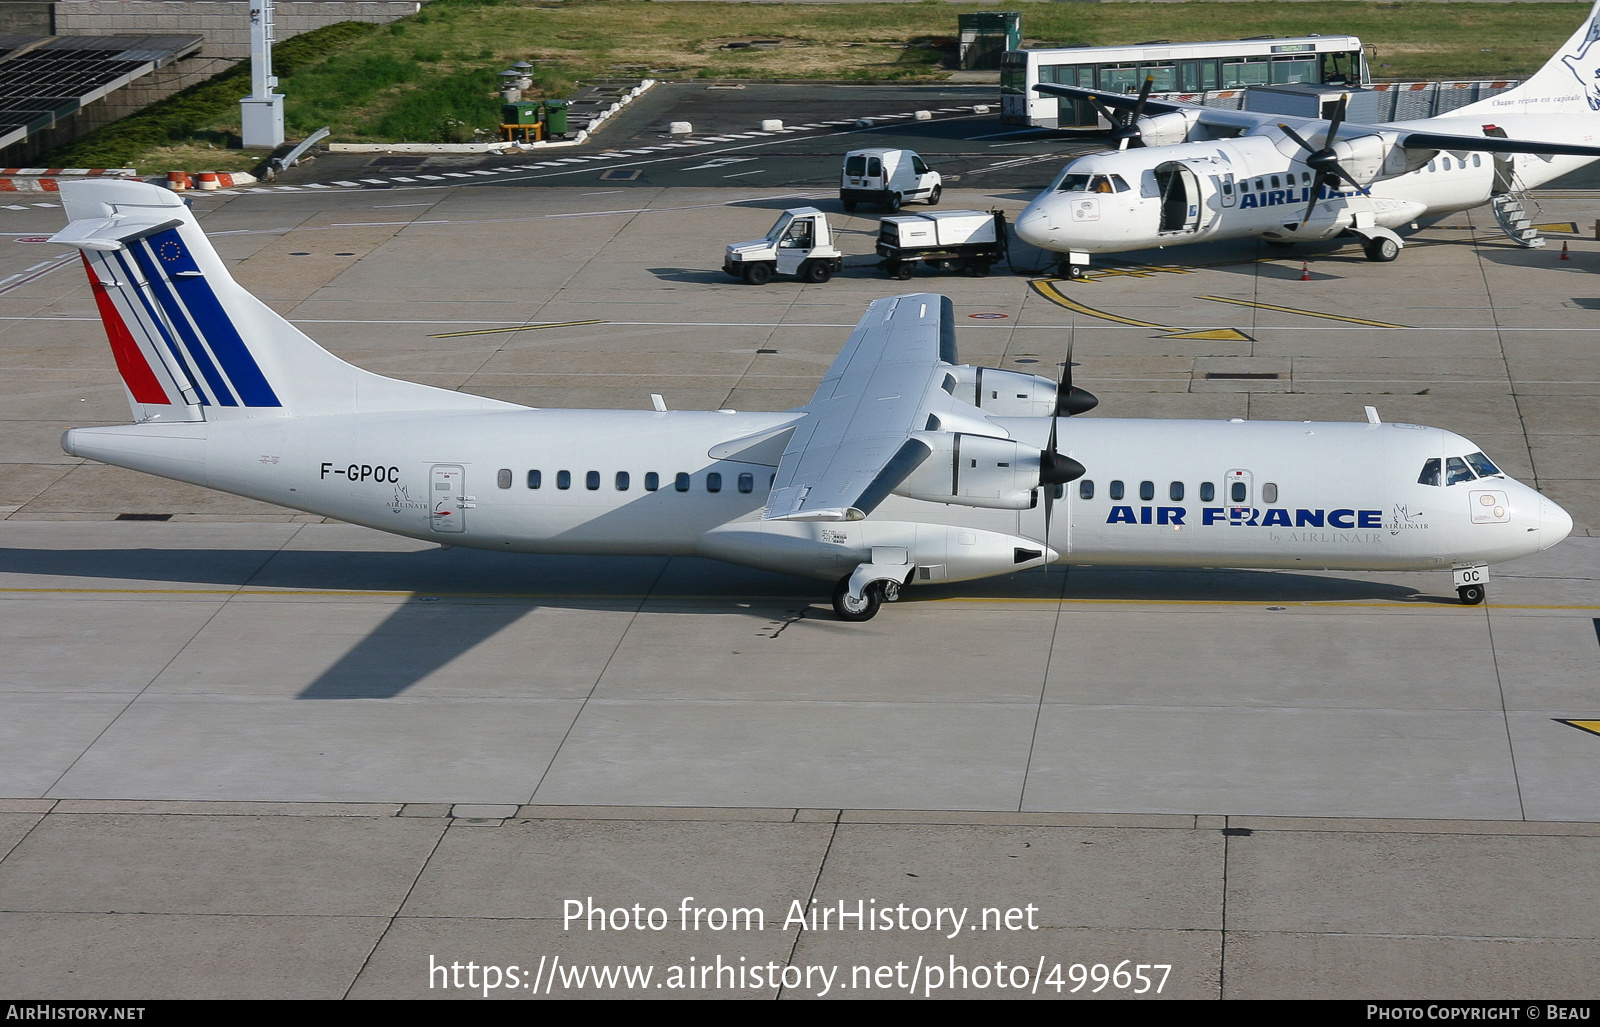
x,y
1584,67
1404,519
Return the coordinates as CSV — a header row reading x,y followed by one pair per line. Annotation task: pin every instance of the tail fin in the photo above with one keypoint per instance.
x,y
1569,82
190,342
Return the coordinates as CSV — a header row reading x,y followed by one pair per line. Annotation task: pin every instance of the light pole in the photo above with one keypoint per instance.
x,y
261,113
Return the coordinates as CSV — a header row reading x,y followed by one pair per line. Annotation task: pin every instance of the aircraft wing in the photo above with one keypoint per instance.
x,y
1214,116
856,442
1491,144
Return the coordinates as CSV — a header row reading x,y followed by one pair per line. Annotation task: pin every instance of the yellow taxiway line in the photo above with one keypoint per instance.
x,y
517,328
1303,313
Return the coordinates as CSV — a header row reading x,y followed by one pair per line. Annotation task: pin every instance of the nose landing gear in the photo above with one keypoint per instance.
x,y
1471,584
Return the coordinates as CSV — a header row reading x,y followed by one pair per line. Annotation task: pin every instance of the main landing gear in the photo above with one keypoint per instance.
x,y
873,595
1471,584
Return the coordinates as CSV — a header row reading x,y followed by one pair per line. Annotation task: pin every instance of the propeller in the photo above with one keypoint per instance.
x,y
1069,398
1126,132
1055,469
1324,161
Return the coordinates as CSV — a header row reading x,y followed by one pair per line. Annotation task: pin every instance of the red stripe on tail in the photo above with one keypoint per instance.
x,y
135,370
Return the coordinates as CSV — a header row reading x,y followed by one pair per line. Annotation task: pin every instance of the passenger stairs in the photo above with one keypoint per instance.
x,y
1511,211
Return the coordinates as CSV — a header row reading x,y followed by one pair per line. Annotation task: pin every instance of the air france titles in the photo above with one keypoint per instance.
x,y
1348,521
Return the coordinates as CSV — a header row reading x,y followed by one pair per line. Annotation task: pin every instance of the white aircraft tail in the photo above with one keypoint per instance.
x,y
1569,82
190,343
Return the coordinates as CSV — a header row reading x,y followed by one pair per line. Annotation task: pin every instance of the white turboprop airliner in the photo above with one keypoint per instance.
x,y
1198,173
905,468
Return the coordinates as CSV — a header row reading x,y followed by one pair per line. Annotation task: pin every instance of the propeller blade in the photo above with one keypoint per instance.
x,y
1049,490
1069,398
1292,134
1334,123
1316,194
1105,112
1342,173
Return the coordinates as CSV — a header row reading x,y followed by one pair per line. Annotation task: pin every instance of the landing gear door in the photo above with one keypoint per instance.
x,y
447,492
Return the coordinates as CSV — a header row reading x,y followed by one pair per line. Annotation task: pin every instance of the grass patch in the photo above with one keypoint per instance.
x,y
432,76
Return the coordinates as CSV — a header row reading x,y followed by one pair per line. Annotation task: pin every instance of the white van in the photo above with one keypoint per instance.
x,y
888,178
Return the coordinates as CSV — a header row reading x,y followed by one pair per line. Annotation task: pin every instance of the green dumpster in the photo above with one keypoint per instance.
x,y
555,113
525,112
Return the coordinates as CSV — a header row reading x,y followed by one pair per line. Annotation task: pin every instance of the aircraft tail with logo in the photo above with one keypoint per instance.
x,y
190,343
1569,82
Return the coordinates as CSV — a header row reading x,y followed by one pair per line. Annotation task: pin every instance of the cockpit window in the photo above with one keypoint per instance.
x,y
1457,471
1480,463
1430,473
1092,184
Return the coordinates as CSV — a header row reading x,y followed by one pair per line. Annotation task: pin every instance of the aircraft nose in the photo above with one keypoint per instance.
x,y
1034,227
1555,523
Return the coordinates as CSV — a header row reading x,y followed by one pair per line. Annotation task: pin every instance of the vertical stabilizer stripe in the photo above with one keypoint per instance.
x,y
153,320
179,320
142,382
187,280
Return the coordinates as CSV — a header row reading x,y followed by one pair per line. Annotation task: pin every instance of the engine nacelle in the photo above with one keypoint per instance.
x,y
974,470
1002,393
1362,156
1167,129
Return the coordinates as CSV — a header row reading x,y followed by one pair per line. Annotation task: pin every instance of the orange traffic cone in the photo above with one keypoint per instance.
x,y
1305,271
1564,250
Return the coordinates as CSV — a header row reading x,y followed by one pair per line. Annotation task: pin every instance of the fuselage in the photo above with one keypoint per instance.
x,y
1258,184
1157,492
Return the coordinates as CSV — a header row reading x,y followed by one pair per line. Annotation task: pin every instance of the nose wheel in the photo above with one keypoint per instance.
x,y
1471,595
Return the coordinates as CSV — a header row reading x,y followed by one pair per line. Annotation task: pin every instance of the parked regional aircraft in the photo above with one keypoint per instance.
x,y
1197,173
905,468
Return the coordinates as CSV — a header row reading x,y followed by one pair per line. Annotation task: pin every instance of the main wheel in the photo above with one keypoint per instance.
x,y
894,202
758,273
849,609
816,272
933,197
1381,249
1471,595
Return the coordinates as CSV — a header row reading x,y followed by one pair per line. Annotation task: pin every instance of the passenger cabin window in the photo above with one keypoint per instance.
x,y
1116,490
1476,162
622,481
1175,491
1147,490
535,479
1480,463
1430,472
713,482
1208,491
1269,492
1457,471
681,482
563,479
652,481
503,478
1240,492
592,480
1086,489
747,482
